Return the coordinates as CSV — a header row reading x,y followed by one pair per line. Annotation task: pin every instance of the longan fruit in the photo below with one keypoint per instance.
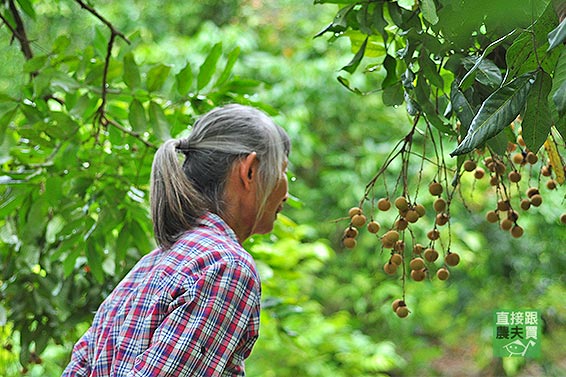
x,y
433,234
531,191
390,268
442,273
418,248
354,211
399,246
506,224
392,236
513,215
383,204
396,259
421,210
412,216
551,184
402,311
358,220
418,275
431,255
442,219
531,158
435,188
452,259
387,244
349,242
563,218
416,263
351,232
500,168
373,227
469,165
401,224
536,200
514,176
401,203
479,173
492,217
439,205
503,205
396,303
517,231
518,158
494,180
546,171
525,204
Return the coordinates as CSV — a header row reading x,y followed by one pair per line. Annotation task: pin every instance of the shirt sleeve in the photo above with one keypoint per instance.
x,y
210,332
79,365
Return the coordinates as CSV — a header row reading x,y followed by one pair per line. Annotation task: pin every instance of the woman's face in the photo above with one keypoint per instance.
x,y
274,203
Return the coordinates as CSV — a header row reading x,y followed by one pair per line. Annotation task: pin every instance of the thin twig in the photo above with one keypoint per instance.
x,y
20,31
93,11
107,121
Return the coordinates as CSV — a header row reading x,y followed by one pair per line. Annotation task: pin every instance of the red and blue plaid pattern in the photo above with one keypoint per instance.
x,y
192,310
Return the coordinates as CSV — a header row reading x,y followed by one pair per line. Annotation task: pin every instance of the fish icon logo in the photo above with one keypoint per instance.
x,y
518,348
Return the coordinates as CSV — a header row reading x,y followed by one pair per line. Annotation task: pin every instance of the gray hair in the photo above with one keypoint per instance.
x,y
181,193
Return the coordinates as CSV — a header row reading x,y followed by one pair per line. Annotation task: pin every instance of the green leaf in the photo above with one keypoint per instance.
x,y
35,64
353,64
208,67
393,95
462,107
390,65
430,70
131,72
159,121
428,9
557,36
28,8
94,260
184,80
537,120
559,99
136,116
156,77
232,58
496,113
468,79
346,83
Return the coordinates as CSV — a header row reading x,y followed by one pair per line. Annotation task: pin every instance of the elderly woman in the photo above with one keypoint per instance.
x,y
191,307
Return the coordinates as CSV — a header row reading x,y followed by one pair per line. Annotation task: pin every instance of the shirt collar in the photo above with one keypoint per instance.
x,y
212,220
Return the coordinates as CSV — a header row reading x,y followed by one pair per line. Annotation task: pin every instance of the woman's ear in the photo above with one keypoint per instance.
x,y
248,170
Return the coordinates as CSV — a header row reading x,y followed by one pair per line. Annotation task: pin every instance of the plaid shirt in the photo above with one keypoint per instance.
x,y
192,310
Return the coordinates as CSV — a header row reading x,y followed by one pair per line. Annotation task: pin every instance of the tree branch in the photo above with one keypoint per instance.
x,y
19,32
93,11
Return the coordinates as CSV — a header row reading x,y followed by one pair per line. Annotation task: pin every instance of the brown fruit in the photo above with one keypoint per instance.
x,y
396,259
390,268
416,263
433,234
373,227
503,205
563,218
402,311
354,211
391,235
536,200
383,204
399,246
546,171
435,188
442,219
418,275
421,210
506,224
551,184
350,232
412,216
532,191
469,165
525,204
517,231
430,254
439,205
492,217
532,158
494,180
396,303
514,176
418,248
479,173
518,158
513,215
452,259
442,274
349,242
387,244
358,220
401,224
401,203
500,168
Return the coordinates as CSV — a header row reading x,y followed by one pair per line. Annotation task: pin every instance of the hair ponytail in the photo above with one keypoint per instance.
x,y
175,202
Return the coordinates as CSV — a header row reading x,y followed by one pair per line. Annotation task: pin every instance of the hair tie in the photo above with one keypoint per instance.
x,y
183,145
